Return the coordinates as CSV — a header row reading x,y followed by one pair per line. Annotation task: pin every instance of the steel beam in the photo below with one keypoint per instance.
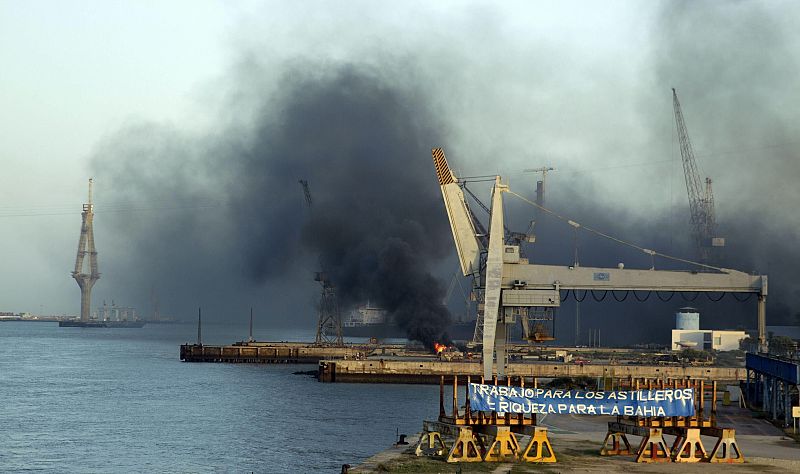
x,y
494,275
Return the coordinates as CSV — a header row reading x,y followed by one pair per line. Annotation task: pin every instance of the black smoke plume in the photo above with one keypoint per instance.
x,y
734,67
359,137
231,226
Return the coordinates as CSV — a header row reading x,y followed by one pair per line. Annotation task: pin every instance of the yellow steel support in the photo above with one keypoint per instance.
x,y
539,448
465,448
653,448
688,447
504,447
726,450
430,444
613,445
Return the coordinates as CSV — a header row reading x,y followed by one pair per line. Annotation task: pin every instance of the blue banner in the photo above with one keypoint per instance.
x,y
664,402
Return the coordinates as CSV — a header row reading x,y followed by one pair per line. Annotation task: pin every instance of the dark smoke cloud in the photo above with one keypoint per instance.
x,y
735,67
359,137
362,136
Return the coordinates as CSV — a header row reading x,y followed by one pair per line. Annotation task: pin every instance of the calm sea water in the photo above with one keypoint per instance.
x,y
119,400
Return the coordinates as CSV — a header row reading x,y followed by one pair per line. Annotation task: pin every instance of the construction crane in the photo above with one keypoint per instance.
x,y
701,198
306,192
538,325
456,281
329,323
511,285
540,184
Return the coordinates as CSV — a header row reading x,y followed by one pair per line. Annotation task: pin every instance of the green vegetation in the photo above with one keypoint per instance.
x,y
695,356
748,344
730,358
411,463
782,346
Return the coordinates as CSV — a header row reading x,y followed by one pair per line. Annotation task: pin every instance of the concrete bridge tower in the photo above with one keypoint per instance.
x,y
86,280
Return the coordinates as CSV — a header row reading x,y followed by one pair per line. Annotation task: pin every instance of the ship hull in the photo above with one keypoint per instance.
x,y
101,324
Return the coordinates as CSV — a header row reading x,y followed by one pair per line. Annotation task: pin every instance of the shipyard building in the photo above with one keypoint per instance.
x,y
688,335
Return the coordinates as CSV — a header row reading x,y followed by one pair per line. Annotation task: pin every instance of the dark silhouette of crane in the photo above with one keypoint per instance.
x,y
701,198
329,323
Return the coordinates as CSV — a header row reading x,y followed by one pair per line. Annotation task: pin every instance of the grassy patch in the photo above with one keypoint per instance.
x,y
413,463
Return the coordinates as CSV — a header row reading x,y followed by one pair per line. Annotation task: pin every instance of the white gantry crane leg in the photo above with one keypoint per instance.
x,y
492,335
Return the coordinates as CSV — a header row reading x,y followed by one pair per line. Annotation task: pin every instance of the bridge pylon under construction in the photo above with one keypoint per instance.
x,y
86,277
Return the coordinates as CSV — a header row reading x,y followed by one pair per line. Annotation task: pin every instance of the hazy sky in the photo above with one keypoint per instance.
x,y
582,86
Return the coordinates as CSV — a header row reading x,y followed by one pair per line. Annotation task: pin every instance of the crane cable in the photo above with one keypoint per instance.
x,y
576,225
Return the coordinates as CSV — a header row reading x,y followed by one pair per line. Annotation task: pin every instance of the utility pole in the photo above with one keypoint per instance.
x,y
199,326
250,339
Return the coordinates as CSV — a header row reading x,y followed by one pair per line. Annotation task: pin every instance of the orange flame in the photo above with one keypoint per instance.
x,y
438,347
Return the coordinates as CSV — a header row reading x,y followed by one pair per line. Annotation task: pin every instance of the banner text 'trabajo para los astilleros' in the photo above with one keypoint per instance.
x,y
664,402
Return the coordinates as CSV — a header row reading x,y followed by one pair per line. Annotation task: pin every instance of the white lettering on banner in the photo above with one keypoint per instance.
x,y
504,399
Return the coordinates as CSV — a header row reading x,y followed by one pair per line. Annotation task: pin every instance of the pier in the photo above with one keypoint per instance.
x,y
266,353
429,372
277,352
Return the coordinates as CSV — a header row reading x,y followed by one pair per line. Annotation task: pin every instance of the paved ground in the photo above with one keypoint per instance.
x,y
756,437
577,440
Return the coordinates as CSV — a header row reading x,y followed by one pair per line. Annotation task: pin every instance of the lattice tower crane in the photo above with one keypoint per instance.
x,y
456,281
329,323
701,198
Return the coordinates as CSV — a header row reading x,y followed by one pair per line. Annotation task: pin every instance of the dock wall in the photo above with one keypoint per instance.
x,y
426,372
259,353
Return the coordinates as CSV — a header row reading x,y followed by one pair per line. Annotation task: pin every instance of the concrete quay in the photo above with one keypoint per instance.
x,y
423,371
268,353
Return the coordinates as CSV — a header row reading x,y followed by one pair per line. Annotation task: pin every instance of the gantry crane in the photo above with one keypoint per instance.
x,y
701,198
511,285
329,323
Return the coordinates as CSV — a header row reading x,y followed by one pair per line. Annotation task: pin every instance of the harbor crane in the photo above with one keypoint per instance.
x,y
701,198
511,285
329,323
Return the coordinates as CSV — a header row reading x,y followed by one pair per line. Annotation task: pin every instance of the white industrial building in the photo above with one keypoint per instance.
x,y
688,335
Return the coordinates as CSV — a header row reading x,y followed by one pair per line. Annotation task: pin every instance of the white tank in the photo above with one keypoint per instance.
x,y
687,318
